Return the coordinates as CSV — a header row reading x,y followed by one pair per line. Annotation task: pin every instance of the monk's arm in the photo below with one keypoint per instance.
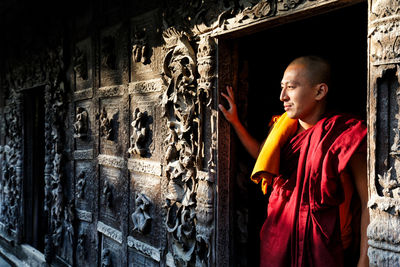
x,y
358,165
248,141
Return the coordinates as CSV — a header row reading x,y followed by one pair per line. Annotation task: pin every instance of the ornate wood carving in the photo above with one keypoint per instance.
x,y
106,260
80,62
179,105
108,193
80,185
384,32
186,102
12,165
106,129
38,68
109,57
80,247
81,123
141,218
384,123
139,137
140,48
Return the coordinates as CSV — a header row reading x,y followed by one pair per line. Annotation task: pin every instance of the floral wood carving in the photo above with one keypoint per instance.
x,y
12,165
141,218
140,133
60,212
106,130
81,123
389,185
180,108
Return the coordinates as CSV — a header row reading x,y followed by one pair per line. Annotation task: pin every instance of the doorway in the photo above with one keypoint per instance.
x,y
35,221
340,36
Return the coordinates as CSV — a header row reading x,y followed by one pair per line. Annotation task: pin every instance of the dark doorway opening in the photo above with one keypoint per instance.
x,y
35,221
339,36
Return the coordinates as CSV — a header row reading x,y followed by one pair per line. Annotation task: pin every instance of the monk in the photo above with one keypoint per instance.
x,y
315,161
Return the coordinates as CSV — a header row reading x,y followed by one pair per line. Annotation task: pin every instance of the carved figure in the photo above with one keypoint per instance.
x,y
107,193
140,49
81,245
106,129
109,58
80,64
80,185
106,258
81,123
141,218
140,133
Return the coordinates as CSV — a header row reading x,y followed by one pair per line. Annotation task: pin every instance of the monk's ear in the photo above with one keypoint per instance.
x,y
321,91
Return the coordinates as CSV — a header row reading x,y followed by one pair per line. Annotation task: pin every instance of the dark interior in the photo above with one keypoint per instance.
x,y
339,36
35,220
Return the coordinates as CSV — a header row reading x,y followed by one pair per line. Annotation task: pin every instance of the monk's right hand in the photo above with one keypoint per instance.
x,y
230,114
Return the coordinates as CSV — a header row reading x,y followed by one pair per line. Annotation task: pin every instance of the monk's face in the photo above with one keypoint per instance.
x,y
298,94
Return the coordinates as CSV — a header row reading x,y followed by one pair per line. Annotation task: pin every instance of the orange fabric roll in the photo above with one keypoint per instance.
x,y
268,161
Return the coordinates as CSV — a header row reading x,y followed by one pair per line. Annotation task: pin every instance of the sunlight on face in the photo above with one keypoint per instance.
x,y
297,93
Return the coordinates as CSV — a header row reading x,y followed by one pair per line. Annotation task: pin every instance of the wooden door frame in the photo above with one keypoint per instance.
x,y
228,61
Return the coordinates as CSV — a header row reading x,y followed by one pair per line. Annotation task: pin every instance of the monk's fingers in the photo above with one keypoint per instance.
x,y
223,109
230,92
230,101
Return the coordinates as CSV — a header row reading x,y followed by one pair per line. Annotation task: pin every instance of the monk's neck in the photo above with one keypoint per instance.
x,y
310,121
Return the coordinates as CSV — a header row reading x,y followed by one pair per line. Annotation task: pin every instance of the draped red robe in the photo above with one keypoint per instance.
x,y
303,226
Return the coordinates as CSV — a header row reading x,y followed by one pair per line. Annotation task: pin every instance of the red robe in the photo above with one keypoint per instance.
x,y
303,225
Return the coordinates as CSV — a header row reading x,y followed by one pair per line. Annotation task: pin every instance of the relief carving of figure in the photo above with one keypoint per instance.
x,y
107,194
106,129
140,133
81,123
140,49
141,218
80,247
109,57
80,185
106,258
80,64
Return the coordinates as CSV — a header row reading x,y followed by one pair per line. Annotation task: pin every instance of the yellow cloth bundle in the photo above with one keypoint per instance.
x,y
267,164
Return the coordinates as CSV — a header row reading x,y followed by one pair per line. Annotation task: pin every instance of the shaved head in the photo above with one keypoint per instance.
x,y
318,69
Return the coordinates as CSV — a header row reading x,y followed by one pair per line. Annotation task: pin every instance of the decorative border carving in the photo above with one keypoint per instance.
x,y
110,232
84,215
83,154
153,252
112,161
149,86
83,94
110,91
145,166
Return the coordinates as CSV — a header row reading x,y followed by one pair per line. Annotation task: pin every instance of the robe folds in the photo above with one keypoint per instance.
x,y
303,225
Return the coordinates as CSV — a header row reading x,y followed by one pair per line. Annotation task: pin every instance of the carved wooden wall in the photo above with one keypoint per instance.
x,y
384,183
137,157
